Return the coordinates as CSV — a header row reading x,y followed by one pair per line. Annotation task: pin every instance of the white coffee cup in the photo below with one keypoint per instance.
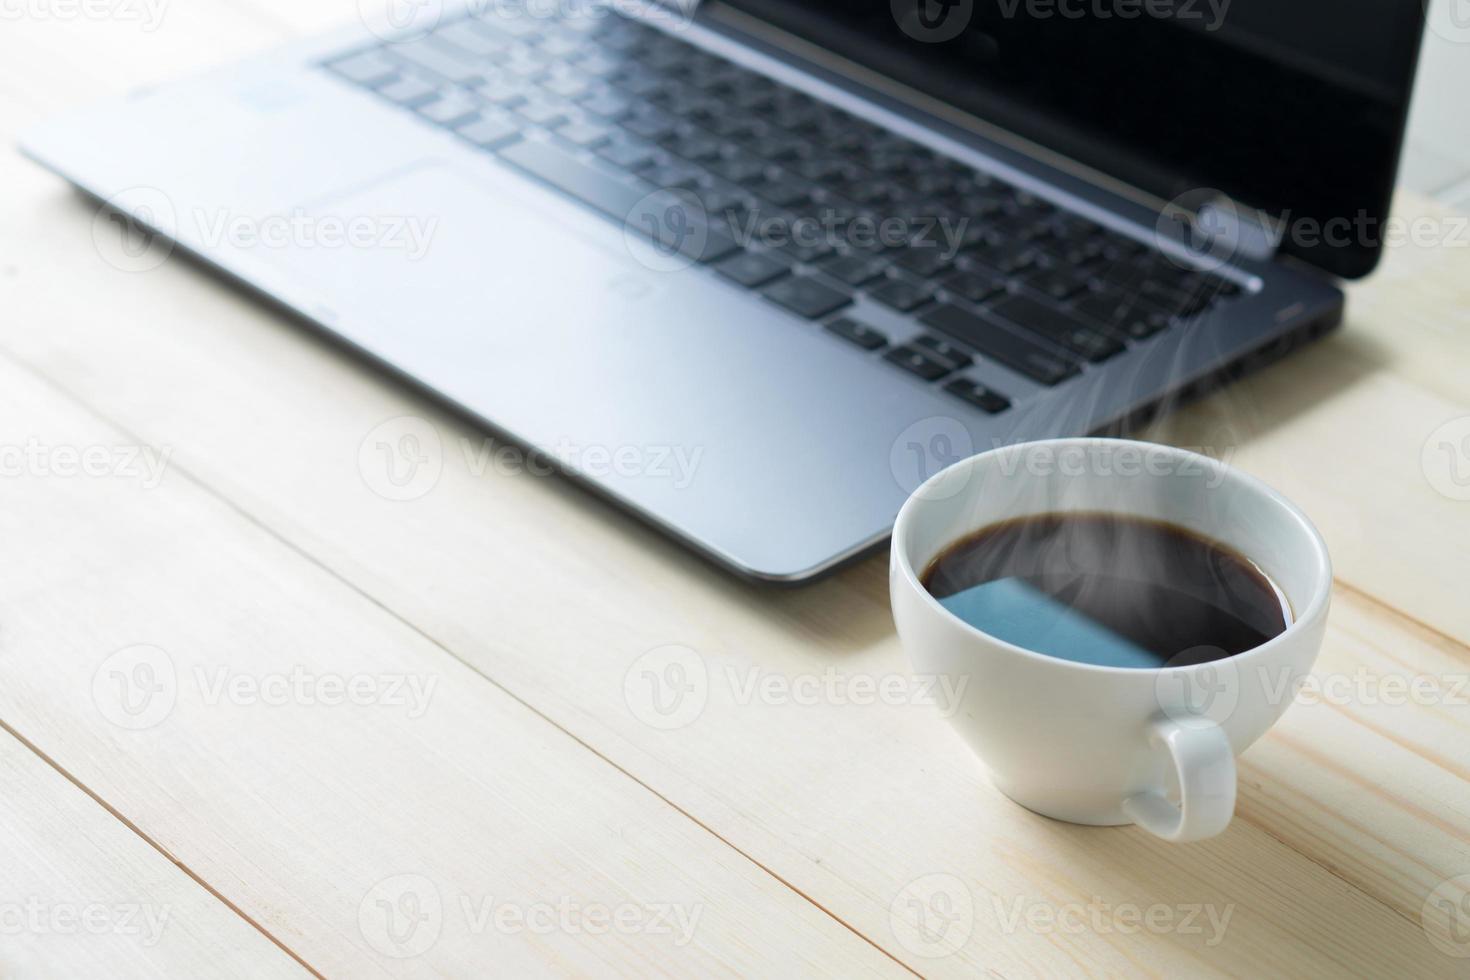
x,y
1111,745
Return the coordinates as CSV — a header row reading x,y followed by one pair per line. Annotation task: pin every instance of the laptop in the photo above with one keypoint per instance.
x,y
754,269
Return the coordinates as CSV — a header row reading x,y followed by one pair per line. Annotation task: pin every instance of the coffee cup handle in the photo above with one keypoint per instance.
x,y
1206,766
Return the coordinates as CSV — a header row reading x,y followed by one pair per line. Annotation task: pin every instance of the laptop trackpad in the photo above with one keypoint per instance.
x,y
481,263
535,315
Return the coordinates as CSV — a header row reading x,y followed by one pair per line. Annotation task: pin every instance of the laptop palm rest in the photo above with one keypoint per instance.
x,y
680,395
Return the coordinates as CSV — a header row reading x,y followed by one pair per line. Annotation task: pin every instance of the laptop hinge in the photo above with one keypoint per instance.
x,y
1214,227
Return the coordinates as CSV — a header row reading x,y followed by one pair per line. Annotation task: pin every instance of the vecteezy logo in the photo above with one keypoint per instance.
x,y
401,916
136,687
1446,459
1449,19
1445,917
402,458
1207,223
123,229
676,14
932,21
926,447
933,915
667,687
1201,689
400,20
667,230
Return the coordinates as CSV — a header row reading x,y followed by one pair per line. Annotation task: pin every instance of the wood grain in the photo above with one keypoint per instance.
x,y
82,895
1352,811
1341,428
850,805
373,804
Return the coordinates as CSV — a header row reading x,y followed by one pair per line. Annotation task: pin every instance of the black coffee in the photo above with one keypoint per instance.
x,y
1108,589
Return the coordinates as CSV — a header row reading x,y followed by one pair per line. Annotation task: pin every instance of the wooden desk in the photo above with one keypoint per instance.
x,y
287,804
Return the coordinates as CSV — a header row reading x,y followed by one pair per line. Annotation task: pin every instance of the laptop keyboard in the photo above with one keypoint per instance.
x,y
793,198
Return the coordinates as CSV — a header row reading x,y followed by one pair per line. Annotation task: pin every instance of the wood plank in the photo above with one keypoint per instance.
x,y
1362,405
1342,427
53,62
374,804
1367,772
1365,403
81,895
849,804
1392,374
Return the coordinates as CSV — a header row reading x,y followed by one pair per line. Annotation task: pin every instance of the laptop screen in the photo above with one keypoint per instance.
x,y
1293,107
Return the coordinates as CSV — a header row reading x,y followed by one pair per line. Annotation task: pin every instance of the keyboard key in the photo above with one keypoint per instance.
x,y
1117,247
693,147
1006,256
754,97
524,65
650,124
752,269
627,154
872,193
978,395
452,110
687,119
490,133
975,207
976,287
805,246
1033,205
1057,326
859,333
999,344
784,193
620,34
564,86
806,297
437,60
919,362
944,351
510,23
589,135
506,93
784,149
829,171
594,63
727,200
1183,302
609,105
900,294
467,37
1166,272
932,183
1077,255
1146,326
1020,229
693,107
673,174
642,84
739,168
410,92
1074,227
542,113
369,68
618,199
853,269
1058,283
924,261
1122,314
555,46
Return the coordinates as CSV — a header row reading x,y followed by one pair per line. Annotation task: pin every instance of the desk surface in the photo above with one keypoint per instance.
x,y
257,719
